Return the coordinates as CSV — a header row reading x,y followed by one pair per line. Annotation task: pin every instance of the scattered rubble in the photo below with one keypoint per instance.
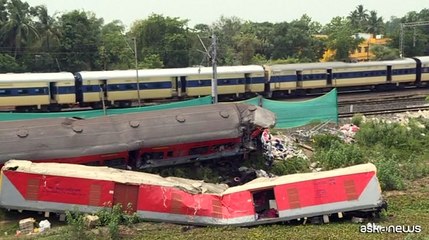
x,y
44,225
26,226
404,118
246,174
91,221
347,132
280,147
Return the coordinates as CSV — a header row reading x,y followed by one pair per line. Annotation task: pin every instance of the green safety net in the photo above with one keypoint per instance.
x,y
6,116
289,114
300,113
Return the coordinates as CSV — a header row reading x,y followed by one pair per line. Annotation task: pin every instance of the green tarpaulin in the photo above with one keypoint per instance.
x,y
98,113
289,114
299,113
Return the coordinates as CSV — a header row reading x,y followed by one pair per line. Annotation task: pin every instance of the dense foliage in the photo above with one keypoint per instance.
x,y
32,40
399,151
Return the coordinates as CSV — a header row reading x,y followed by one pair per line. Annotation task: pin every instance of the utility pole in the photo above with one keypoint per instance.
x,y
137,72
212,54
214,66
401,37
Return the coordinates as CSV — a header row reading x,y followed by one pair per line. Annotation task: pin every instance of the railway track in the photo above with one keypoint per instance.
x,y
381,100
385,111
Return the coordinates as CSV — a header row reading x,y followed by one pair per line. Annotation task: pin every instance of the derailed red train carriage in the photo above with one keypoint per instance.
x,y
56,187
147,139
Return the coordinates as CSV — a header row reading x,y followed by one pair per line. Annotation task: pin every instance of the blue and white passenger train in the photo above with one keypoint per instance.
x,y
52,91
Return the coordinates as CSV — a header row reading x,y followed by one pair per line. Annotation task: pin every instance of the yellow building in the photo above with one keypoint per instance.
x,y
363,52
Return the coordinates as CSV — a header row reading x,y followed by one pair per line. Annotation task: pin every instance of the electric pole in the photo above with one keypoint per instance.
x,y
137,72
214,66
401,37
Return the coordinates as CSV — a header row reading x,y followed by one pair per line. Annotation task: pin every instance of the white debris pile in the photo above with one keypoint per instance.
x,y
314,167
347,132
280,147
404,118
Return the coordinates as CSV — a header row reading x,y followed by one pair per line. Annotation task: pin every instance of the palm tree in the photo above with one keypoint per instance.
x,y
358,18
362,13
19,27
354,21
375,24
47,28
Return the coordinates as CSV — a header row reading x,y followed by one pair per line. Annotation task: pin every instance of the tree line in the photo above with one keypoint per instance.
x,y
33,40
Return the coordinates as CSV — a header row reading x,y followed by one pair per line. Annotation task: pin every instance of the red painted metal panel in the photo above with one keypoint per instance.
x,y
321,191
61,189
238,204
127,196
171,200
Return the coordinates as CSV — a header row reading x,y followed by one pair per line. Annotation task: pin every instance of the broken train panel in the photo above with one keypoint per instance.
x,y
155,138
53,187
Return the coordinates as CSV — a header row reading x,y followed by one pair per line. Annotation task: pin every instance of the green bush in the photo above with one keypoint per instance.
x,y
393,135
389,174
339,155
115,216
290,166
385,134
75,220
357,119
325,141
414,168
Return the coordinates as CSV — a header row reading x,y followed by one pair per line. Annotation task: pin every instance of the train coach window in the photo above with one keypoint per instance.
x,y
198,150
39,91
153,155
113,87
22,91
114,162
218,148
96,163
131,86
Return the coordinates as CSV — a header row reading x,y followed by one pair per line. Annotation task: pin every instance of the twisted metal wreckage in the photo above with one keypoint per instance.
x,y
57,187
161,138
139,140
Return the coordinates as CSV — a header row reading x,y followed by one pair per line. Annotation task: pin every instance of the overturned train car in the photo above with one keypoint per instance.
x,y
56,187
138,140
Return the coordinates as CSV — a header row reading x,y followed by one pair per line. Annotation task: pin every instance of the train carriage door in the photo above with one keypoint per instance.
x,y
126,196
182,86
267,86
175,86
247,82
103,90
79,90
418,71
389,74
265,204
53,91
299,79
329,77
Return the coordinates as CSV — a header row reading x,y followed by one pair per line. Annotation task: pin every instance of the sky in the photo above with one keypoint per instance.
x,y
208,12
